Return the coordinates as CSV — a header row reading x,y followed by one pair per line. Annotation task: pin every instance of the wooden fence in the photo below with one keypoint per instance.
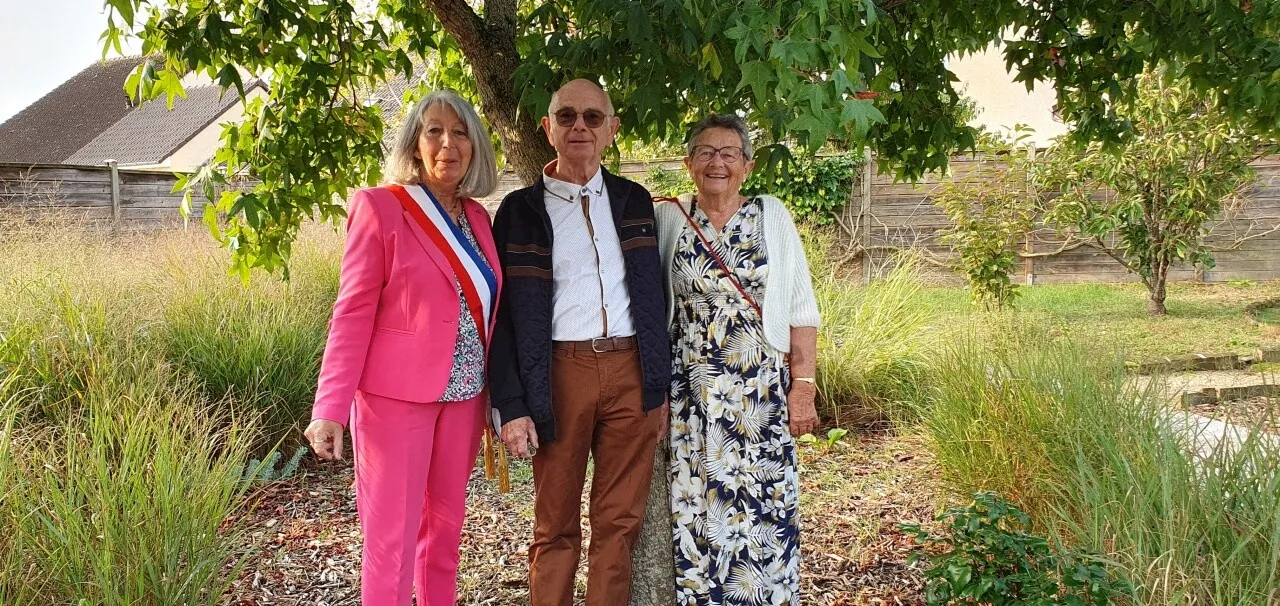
x,y
885,217
99,195
888,217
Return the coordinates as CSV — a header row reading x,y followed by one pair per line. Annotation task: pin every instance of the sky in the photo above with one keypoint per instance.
x,y
42,44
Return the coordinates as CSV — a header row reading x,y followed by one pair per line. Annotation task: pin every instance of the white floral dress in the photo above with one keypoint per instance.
x,y
734,485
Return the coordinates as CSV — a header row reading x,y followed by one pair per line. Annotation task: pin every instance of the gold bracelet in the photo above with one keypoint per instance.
x,y
809,380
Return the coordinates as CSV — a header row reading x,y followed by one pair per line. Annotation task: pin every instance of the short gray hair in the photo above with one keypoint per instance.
x,y
725,121
482,174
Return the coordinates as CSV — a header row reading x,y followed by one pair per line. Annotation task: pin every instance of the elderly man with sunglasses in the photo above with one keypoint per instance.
x,y
580,362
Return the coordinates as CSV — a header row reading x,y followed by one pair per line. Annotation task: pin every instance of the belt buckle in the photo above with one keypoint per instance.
x,y
593,344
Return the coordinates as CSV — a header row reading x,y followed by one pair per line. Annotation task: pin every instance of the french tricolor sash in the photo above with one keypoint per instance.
x,y
478,282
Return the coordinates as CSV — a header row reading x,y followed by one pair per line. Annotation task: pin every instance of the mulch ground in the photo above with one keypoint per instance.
x,y
302,539
1260,412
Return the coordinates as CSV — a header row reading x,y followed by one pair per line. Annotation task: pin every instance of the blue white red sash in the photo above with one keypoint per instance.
x,y
478,282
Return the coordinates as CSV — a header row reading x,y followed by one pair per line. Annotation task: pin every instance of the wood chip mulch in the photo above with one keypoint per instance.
x,y
1260,412
302,539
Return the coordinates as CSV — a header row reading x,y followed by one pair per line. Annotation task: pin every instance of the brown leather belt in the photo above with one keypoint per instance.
x,y
600,345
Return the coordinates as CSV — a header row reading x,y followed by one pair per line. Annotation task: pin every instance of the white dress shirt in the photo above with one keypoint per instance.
x,y
590,279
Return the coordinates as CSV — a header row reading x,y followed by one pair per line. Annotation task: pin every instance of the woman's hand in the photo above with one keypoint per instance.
x,y
520,437
325,438
801,408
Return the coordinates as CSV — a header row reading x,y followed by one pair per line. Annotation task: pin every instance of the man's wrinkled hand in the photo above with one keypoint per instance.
x,y
520,437
664,420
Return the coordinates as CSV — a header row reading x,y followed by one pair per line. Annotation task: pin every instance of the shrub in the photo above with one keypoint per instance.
x,y
253,347
986,556
990,215
126,501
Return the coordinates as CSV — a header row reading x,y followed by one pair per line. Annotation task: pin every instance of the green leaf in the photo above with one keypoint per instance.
x,y
124,8
758,75
711,60
862,112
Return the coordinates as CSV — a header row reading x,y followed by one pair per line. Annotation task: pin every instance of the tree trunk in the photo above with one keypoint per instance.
x,y
653,575
489,46
1156,289
523,142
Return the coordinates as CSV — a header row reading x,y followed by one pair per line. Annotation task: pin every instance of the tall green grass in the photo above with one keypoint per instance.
x,y
255,346
137,380
124,502
1057,427
876,343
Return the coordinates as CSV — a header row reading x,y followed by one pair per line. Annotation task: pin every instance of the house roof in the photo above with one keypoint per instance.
x,y
70,116
152,132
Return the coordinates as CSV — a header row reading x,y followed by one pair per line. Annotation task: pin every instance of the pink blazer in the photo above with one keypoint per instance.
x,y
395,322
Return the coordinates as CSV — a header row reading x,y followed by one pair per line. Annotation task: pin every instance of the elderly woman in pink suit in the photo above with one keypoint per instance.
x,y
405,362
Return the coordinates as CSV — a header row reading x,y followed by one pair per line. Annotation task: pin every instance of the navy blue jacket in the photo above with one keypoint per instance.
x,y
520,351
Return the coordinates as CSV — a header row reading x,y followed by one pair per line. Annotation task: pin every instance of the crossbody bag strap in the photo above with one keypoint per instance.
x,y
714,255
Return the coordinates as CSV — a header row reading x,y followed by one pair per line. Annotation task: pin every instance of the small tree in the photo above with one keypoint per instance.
x,y
1148,203
989,216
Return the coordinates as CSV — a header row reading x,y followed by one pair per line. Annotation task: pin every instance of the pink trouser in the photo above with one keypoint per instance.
x,y
412,465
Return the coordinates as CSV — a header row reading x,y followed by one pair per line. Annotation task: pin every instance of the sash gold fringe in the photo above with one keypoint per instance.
x,y
495,461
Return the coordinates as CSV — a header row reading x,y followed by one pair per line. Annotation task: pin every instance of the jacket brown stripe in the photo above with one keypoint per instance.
x,y
639,242
528,248
526,271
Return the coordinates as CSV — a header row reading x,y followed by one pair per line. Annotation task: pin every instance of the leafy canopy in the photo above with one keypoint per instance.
x,y
802,71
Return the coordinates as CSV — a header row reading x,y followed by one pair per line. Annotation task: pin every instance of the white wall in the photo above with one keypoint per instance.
x,y
1002,102
201,147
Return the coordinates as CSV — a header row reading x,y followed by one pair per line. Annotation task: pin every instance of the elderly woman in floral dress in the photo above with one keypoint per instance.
x,y
744,336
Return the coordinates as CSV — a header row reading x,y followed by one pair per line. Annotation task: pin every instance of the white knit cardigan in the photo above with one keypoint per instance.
x,y
788,289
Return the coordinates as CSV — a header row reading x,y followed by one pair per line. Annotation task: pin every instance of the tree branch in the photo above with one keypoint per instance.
x,y
1066,245
462,23
1235,245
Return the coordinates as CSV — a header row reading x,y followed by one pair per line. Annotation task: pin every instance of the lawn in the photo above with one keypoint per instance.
x,y
1202,318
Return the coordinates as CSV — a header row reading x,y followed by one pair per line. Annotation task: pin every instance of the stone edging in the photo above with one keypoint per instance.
x,y
1207,362
1251,311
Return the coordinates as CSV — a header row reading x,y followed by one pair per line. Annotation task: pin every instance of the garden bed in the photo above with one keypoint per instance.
x,y
303,538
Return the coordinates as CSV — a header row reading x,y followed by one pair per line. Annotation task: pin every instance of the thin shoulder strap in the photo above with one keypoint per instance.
x,y
714,255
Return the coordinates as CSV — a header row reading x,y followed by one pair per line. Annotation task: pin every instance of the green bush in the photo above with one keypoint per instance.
x,y
255,347
1062,431
989,217
987,556
126,501
123,460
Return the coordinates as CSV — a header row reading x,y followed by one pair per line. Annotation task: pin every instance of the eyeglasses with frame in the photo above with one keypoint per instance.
x,y
704,153
568,116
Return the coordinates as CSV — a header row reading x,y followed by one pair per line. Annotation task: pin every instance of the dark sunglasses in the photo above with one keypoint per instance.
x,y
593,118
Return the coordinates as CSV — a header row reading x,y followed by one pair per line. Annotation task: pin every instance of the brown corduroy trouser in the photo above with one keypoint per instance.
x,y
598,406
